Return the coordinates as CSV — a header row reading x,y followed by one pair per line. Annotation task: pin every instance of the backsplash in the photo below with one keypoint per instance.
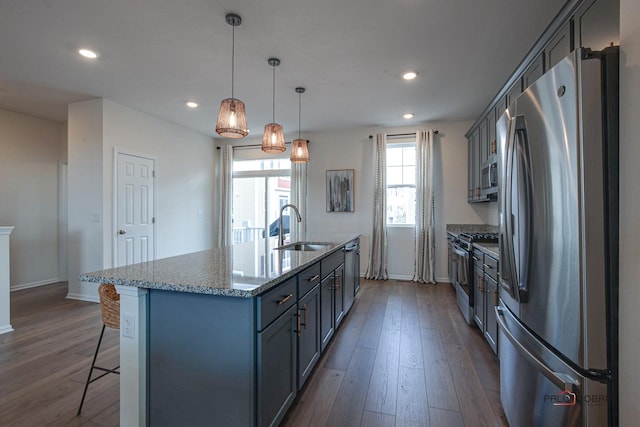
x,y
472,228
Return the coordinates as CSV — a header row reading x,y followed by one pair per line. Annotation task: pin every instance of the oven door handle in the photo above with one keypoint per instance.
x,y
461,252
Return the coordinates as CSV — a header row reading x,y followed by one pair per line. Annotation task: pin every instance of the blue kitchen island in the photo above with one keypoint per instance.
x,y
228,336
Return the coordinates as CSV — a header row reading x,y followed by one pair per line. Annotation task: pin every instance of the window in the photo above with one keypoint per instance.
x,y
401,183
260,189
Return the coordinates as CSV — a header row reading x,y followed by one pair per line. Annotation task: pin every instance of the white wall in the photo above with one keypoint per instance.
x,y
185,184
352,149
629,212
185,168
30,152
85,234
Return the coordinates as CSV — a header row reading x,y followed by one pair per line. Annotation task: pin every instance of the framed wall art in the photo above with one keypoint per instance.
x,y
340,195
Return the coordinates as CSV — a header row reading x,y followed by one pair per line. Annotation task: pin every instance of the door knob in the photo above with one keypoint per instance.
x,y
122,231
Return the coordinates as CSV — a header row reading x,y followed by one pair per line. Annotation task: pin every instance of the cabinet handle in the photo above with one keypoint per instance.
x,y
487,266
312,278
496,297
298,323
304,319
475,258
480,284
285,299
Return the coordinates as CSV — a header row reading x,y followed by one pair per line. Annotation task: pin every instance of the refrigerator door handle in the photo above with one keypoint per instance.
x,y
562,381
510,282
521,150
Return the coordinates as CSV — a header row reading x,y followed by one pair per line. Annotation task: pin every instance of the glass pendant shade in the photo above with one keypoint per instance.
x,y
232,119
273,139
299,151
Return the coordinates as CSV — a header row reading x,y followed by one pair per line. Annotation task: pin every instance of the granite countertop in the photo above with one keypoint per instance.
x,y
489,248
237,271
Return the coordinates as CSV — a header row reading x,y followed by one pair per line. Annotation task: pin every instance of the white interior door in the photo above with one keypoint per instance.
x,y
135,209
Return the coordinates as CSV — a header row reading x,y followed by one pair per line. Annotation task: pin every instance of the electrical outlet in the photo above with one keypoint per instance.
x,y
129,326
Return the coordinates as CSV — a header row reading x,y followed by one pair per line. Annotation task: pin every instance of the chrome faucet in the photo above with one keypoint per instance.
x,y
280,234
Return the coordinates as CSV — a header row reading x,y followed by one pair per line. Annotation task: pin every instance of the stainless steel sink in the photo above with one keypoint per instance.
x,y
304,246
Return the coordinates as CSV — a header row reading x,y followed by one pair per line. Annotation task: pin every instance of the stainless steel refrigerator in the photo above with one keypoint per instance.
x,y
558,203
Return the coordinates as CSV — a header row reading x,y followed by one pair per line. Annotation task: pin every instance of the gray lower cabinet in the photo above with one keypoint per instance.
x,y
326,310
485,296
478,292
491,300
217,360
277,385
338,296
308,334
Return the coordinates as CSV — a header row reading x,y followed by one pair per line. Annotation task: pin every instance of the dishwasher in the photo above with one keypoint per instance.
x,y
351,272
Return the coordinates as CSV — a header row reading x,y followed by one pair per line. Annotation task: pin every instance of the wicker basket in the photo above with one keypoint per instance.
x,y
110,305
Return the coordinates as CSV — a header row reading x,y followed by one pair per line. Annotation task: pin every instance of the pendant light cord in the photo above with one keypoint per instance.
x,y
274,95
233,54
299,112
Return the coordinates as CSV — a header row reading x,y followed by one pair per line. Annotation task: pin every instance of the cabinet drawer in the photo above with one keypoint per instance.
x,y
308,278
478,258
332,262
491,267
275,302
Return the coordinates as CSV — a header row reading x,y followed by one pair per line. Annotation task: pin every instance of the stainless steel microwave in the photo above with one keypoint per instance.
x,y
489,178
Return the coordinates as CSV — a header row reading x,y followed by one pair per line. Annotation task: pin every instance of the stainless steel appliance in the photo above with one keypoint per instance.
x,y
558,215
489,178
463,248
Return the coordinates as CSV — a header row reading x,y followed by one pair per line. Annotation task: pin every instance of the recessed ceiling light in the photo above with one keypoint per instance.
x,y
408,116
410,75
88,53
192,104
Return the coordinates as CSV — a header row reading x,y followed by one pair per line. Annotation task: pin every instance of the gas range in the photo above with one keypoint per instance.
x,y
465,240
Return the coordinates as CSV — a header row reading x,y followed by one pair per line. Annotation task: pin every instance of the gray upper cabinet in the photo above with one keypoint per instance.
x,y
484,141
597,24
514,91
491,125
559,47
534,72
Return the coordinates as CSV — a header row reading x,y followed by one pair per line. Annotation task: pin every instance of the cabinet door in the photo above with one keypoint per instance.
x,y
338,296
491,125
478,298
514,91
474,165
597,24
326,310
491,323
484,141
534,72
559,47
277,368
309,334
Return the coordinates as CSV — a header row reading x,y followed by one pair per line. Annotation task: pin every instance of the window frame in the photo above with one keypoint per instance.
x,y
399,143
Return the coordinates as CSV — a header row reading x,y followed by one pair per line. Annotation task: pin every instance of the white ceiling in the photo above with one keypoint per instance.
x,y
349,54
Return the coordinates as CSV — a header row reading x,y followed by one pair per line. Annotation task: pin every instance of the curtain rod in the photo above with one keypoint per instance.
x,y
398,135
255,145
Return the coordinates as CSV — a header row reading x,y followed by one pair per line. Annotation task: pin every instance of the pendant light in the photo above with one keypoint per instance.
x,y
273,137
299,149
232,118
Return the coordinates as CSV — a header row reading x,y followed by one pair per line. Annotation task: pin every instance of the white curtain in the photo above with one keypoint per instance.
x,y
297,229
425,244
225,231
377,268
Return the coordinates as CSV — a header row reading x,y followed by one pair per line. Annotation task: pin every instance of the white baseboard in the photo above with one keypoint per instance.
x,y
83,297
400,277
35,284
5,328
443,280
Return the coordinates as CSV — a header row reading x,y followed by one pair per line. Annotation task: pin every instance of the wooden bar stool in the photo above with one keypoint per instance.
x,y
110,307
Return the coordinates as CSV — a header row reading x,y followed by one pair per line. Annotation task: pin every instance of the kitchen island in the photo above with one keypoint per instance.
x,y
227,336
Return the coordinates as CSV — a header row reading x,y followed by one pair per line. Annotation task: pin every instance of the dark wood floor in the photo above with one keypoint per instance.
x,y
402,357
